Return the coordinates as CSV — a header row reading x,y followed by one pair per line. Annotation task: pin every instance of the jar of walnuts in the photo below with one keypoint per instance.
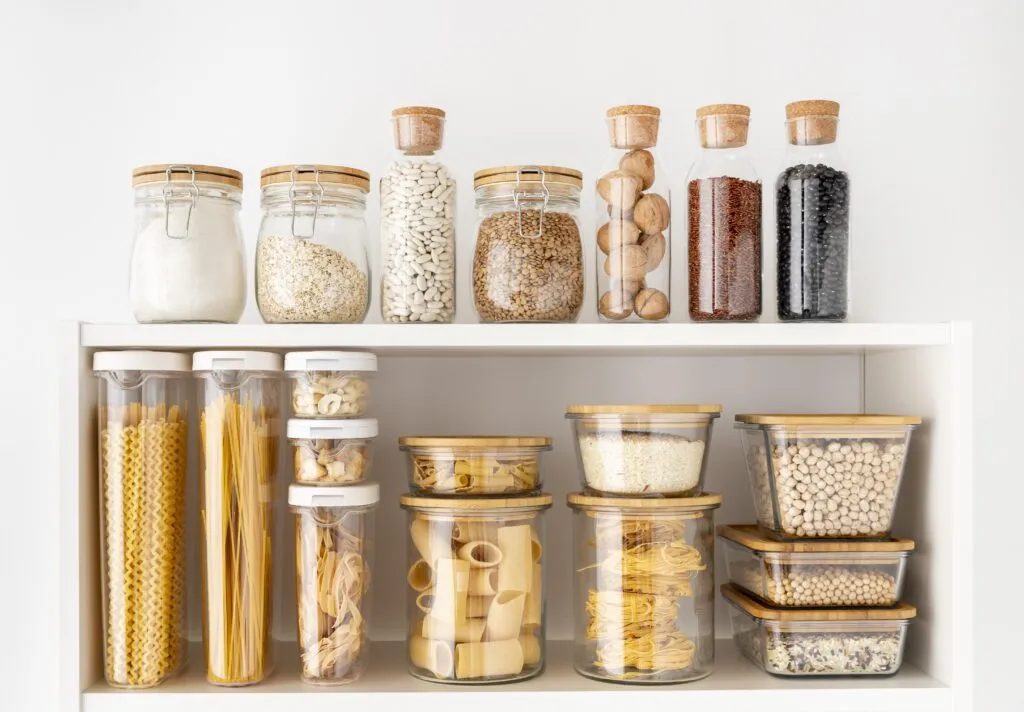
x,y
528,264
633,221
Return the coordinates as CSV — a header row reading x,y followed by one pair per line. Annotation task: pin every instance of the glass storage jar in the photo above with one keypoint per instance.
x,y
239,433
476,588
474,465
143,455
724,218
330,384
819,641
826,476
188,260
311,261
812,208
417,223
528,264
644,588
634,233
332,452
333,571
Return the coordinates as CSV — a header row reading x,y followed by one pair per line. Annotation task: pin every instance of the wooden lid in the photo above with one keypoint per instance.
x,y
812,107
418,111
723,110
708,500
481,441
633,110
337,175
750,536
157,173
442,504
656,408
900,612
507,174
826,419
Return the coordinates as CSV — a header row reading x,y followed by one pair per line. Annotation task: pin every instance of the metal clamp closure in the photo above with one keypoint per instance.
x,y
520,196
168,191
318,196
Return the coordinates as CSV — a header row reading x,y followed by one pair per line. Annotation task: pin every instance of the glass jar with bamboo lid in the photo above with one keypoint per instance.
x,y
240,430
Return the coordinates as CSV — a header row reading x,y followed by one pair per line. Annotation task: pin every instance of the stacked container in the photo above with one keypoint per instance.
x,y
643,543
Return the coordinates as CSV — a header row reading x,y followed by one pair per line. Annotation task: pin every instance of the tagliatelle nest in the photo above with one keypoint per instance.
x,y
648,655
617,614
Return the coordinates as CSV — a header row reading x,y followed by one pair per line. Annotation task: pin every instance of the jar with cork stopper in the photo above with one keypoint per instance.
x,y
417,223
633,221
812,198
724,219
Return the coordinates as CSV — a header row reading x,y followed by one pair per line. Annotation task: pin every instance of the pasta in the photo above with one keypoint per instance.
x,y
433,655
467,630
450,591
491,659
515,567
531,648
480,554
430,542
483,582
419,576
471,473
534,600
505,616
476,606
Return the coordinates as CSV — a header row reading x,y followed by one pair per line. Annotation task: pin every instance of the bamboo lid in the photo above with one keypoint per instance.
x,y
656,408
335,175
812,122
418,130
633,126
480,441
183,173
827,419
470,504
527,174
900,612
708,500
723,125
750,536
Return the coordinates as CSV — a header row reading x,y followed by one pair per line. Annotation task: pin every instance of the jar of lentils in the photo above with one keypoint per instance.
x,y
528,264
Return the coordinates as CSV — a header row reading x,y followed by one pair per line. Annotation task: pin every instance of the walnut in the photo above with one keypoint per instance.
x,y
619,189
617,233
628,262
654,245
615,305
640,163
651,213
651,304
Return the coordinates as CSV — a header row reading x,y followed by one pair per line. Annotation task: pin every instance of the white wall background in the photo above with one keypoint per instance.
x,y
88,90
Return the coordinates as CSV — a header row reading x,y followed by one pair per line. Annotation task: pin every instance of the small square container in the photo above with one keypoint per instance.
x,y
472,465
815,574
807,642
643,450
330,384
826,476
332,452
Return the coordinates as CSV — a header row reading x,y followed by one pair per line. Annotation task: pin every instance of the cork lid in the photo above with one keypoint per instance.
x,y
723,125
314,173
528,174
185,173
812,122
418,130
633,126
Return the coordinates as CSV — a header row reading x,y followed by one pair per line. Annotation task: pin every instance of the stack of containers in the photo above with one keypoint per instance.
x,y
643,536
815,588
476,558
332,446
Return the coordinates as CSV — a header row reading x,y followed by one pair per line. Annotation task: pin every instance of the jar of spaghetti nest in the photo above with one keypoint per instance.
x,y
528,264
476,588
644,588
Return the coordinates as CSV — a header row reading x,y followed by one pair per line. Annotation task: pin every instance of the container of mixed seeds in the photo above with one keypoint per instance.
x,y
474,465
815,574
829,476
819,641
643,450
330,384
332,452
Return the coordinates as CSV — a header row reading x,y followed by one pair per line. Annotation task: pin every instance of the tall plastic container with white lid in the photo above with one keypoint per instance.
x,y
330,384
332,452
239,430
143,443
334,537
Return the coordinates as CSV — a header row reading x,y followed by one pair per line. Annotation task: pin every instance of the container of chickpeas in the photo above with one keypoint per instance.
x,y
332,452
330,384
815,574
474,465
476,588
832,476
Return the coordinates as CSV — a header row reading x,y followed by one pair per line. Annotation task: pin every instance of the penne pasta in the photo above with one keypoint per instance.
x,y
465,530
419,576
430,540
451,589
534,600
515,571
425,601
483,582
476,606
505,616
480,554
531,648
433,655
496,658
468,630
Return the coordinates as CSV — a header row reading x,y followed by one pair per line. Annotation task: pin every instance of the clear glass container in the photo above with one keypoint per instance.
x,y
724,219
642,450
417,223
332,452
815,574
811,642
143,456
330,384
239,431
528,264
311,259
826,476
633,219
333,572
188,260
812,208
474,465
644,588
476,587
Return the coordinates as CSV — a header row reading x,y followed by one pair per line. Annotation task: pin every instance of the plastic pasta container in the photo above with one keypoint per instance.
x,y
819,641
643,450
143,443
239,433
474,465
644,588
332,452
330,384
815,574
333,561
826,476
476,588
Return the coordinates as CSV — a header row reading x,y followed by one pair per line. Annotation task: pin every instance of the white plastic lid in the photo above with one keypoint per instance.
x,y
139,361
330,361
355,429
236,361
361,495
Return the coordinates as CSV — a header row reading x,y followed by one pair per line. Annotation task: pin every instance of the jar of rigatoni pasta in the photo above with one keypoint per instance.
x,y
476,588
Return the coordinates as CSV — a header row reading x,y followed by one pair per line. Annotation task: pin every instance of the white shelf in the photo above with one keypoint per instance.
x,y
731,687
